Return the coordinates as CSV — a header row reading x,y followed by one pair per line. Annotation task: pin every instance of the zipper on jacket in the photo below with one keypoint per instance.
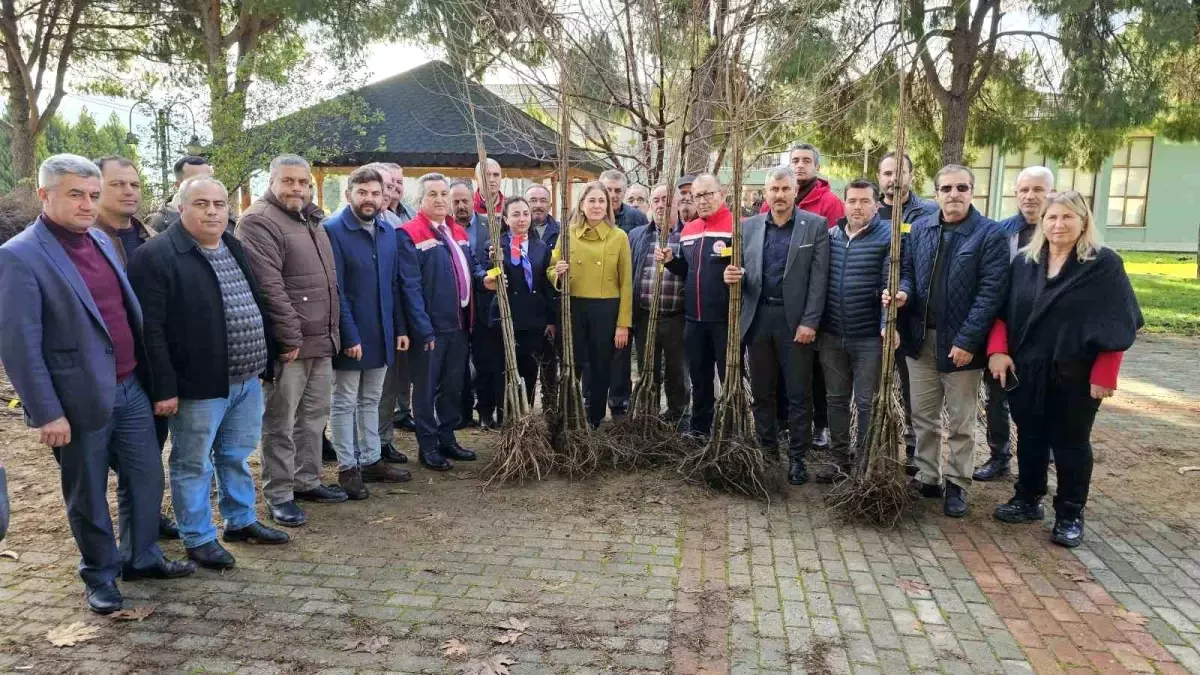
x,y
937,252
696,264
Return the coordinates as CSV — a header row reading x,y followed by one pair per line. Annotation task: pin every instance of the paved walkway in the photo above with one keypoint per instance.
x,y
637,574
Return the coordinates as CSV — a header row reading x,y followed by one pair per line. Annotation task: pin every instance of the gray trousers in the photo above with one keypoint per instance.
x,y
297,410
851,367
773,350
396,396
958,392
669,361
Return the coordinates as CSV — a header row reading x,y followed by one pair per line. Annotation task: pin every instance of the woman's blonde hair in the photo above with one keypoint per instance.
x,y
1087,244
578,219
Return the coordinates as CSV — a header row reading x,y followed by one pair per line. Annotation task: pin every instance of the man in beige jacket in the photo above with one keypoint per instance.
x,y
292,259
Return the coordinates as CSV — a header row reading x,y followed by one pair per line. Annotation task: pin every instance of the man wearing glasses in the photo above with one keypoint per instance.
x,y
952,283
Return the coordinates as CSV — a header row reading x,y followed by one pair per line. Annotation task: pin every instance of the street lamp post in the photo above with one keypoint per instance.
x,y
162,126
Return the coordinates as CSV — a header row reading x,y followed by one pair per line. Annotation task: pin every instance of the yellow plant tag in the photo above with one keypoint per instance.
x,y
905,228
493,273
14,403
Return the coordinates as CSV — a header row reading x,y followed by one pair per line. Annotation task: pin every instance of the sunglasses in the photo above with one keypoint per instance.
x,y
959,187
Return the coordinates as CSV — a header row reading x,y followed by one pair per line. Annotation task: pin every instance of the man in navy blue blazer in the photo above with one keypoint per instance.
x,y
71,343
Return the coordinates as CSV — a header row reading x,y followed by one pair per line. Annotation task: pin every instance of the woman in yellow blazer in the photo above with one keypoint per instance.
x,y
601,288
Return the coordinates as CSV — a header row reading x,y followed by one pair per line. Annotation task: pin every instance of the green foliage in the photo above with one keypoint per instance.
x,y
84,137
1169,305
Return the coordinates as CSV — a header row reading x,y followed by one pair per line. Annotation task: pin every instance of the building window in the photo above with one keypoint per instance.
x,y
1083,182
982,168
1014,162
1130,183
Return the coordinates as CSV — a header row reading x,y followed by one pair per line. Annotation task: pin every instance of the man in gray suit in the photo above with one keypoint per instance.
x,y
71,342
786,271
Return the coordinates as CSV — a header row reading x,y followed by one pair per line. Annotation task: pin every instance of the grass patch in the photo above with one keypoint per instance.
x,y
1170,264
1169,304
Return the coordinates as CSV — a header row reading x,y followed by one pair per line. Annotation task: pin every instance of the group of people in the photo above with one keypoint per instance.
x,y
223,333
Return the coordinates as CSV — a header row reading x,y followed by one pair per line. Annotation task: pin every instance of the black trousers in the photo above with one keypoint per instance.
x,y
547,358
705,343
773,349
996,413
593,326
1061,418
621,381
529,341
436,379
819,404
487,353
668,361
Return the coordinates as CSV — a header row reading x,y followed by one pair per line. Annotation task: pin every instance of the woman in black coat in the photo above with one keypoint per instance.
x,y
529,293
1056,348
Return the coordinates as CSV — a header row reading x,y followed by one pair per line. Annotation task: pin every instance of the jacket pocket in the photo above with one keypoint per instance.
x,y
62,359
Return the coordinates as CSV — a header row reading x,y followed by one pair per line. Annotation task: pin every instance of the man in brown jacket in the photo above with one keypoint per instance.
x,y
292,259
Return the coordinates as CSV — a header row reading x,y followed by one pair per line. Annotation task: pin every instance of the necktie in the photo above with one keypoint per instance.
x,y
519,258
444,235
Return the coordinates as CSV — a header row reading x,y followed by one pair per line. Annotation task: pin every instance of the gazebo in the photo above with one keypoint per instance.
x,y
422,120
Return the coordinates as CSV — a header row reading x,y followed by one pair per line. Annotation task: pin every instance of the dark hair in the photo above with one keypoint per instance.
x,y
861,184
363,175
889,154
190,160
459,181
116,159
509,202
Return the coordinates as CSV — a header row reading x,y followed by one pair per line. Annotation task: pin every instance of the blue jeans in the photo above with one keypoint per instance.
x,y
354,420
215,433
125,443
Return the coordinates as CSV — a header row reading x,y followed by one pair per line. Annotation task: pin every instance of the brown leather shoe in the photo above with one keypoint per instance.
x,y
351,481
382,472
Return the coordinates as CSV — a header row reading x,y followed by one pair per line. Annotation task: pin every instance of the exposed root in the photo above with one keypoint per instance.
x,y
733,466
879,498
580,453
525,451
644,441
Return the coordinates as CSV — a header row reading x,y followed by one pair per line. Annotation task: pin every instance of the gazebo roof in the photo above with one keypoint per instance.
x,y
423,118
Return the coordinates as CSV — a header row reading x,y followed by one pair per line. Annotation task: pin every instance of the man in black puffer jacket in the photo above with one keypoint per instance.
x,y
952,283
849,344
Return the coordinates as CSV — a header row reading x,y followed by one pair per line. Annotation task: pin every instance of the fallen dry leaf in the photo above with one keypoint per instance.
x,y
912,586
1130,617
453,648
388,519
135,614
513,623
436,515
493,665
654,500
508,638
68,635
1183,470
10,554
370,645
400,491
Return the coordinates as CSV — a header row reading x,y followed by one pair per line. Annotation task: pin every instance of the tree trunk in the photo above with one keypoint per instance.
x,y
955,112
700,136
22,140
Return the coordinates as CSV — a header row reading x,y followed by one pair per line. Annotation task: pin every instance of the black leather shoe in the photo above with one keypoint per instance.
x,y
820,438
1068,531
927,490
322,494
432,459
797,472
389,454
1020,510
104,598
955,504
212,555
406,424
287,514
167,529
257,533
163,569
995,467
328,454
457,452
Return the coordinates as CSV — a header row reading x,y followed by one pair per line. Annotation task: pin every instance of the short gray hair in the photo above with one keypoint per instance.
x,y
1038,171
953,168
425,180
781,173
194,182
55,167
539,186
613,174
288,160
810,148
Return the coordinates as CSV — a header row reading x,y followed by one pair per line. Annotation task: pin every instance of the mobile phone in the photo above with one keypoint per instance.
x,y
1011,382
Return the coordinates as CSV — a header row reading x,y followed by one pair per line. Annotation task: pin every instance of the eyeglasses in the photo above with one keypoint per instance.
x,y
703,195
959,187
